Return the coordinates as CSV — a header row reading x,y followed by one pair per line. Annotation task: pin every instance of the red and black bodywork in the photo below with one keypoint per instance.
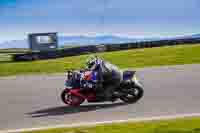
x,y
74,94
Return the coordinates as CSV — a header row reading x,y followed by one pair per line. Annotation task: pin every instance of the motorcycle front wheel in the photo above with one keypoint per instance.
x,y
133,94
71,100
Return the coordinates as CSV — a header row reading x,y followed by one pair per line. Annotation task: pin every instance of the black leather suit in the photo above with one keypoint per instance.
x,y
109,77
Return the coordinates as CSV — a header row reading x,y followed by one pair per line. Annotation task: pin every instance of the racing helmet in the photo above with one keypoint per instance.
x,y
91,62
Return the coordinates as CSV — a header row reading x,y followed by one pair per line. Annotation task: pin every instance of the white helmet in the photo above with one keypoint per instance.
x,y
91,62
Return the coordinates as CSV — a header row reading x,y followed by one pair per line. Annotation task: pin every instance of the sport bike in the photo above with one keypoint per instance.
x,y
129,91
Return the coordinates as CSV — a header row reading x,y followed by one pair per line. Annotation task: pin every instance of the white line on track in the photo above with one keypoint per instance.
x,y
104,122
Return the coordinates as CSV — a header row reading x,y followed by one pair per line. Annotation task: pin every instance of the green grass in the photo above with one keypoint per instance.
x,y
5,57
6,54
136,58
185,125
14,50
69,46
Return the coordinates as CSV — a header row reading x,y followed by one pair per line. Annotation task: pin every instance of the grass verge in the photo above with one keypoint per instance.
x,y
170,55
184,125
5,58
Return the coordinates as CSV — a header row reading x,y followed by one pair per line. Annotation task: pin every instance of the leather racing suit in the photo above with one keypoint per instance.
x,y
109,78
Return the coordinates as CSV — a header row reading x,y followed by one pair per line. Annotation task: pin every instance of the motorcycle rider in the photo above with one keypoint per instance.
x,y
108,75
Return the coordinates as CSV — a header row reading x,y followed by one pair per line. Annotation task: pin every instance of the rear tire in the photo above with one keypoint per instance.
x,y
134,97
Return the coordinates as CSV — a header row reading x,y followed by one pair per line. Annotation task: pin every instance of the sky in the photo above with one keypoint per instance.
x,y
131,18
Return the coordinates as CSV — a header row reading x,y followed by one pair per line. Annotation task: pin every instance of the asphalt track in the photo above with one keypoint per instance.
x,y
34,101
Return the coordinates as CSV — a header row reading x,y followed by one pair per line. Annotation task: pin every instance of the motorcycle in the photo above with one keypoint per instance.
x,y
129,91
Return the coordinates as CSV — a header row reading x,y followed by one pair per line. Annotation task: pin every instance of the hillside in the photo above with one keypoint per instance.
x,y
65,41
181,54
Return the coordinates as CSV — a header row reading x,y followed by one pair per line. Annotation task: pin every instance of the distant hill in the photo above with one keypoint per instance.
x,y
65,41
14,44
196,36
87,40
72,40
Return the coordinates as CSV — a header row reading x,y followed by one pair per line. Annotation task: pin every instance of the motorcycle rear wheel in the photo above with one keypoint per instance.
x,y
134,95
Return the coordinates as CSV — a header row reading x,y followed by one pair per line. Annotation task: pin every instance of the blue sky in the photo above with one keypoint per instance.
x,y
132,18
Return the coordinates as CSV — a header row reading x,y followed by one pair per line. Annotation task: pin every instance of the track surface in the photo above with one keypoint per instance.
x,y
34,101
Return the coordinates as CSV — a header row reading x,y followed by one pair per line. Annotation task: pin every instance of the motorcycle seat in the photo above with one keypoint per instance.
x,y
128,74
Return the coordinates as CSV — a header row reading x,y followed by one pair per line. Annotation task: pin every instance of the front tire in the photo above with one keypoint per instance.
x,y
136,93
71,100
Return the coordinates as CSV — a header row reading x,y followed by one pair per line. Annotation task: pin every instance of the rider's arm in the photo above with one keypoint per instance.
x,y
99,68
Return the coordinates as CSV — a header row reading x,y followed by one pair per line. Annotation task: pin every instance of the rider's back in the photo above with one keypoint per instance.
x,y
110,71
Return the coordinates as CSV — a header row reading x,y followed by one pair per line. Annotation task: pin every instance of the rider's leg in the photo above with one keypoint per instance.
x,y
110,88
99,91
